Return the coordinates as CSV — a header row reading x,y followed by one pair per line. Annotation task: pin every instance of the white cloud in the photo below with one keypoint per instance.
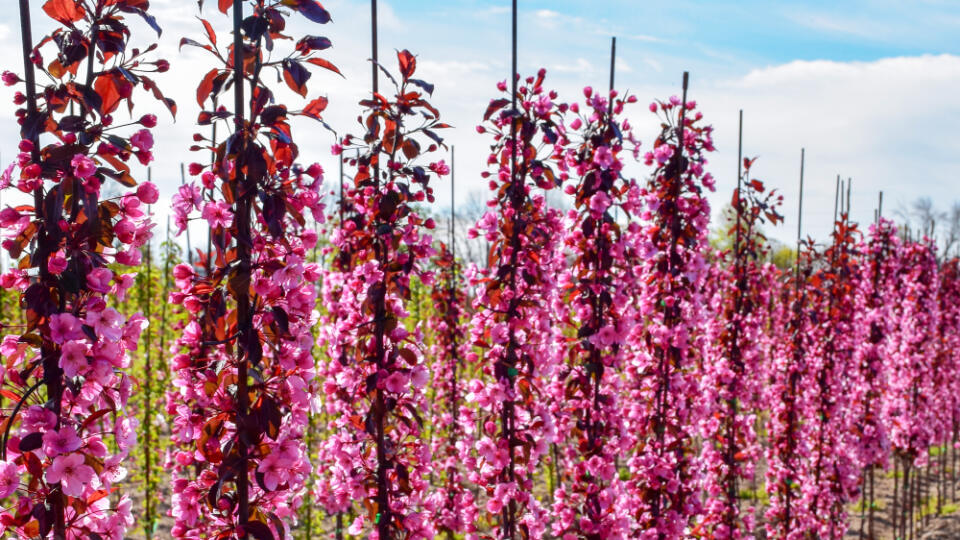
x,y
580,65
622,66
889,124
645,38
653,64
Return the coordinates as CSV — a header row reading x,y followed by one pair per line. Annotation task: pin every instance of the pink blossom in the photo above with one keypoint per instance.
x,y
142,140
275,469
396,382
107,323
599,202
148,192
56,264
63,327
83,167
9,479
440,168
71,473
99,280
218,214
603,157
663,153
73,358
10,79
61,442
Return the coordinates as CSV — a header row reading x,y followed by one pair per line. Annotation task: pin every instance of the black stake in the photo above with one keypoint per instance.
x,y
800,214
836,200
613,60
849,184
244,314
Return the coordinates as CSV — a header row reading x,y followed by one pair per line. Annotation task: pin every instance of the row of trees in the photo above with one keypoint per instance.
x,y
606,373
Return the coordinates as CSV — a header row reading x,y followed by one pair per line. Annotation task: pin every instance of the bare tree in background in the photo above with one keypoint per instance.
x,y
951,231
921,217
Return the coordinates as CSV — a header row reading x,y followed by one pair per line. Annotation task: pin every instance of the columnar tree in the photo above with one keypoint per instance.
x,y
661,401
66,433
376,376
836,382
878,269
244,379
790,403
597,308
513,323
735,362
453,422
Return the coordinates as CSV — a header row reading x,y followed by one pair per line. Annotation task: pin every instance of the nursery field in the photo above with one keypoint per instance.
x,y
585,357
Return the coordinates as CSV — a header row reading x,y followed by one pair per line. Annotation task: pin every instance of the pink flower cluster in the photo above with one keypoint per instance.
x,y
595,302
68,433
513,322
374,384
662,403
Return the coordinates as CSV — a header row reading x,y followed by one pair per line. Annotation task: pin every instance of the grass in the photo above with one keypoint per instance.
x,y
878,505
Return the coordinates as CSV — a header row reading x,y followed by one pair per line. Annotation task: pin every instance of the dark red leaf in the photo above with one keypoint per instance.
x,y
206,86
312,10
495,105
312,43
315,107
408,63
325,65
64,11
31,442
108,86
296,76
211,35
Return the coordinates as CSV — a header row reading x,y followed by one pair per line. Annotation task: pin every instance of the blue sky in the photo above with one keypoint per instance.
x,y
868,86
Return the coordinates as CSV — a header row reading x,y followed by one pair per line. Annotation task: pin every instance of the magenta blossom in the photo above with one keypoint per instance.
x,y
83,167
61,442
142,140
603,157
72,474
218,214
9,479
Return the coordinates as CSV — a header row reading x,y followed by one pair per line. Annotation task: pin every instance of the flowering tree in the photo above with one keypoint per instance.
x,y
735,364
910,404
660,401
790,402
598,287
835,464
64,370
453,422
512,322
879,268
244,378
375,381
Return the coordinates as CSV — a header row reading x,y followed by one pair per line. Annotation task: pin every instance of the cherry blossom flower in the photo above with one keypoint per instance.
x,y
71,473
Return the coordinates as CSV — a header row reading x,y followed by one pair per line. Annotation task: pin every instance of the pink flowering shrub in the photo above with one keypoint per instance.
x,y
453,422
513,323
835,382
661,405
244,376
597,287
791,402
740,286
67,435
374,384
